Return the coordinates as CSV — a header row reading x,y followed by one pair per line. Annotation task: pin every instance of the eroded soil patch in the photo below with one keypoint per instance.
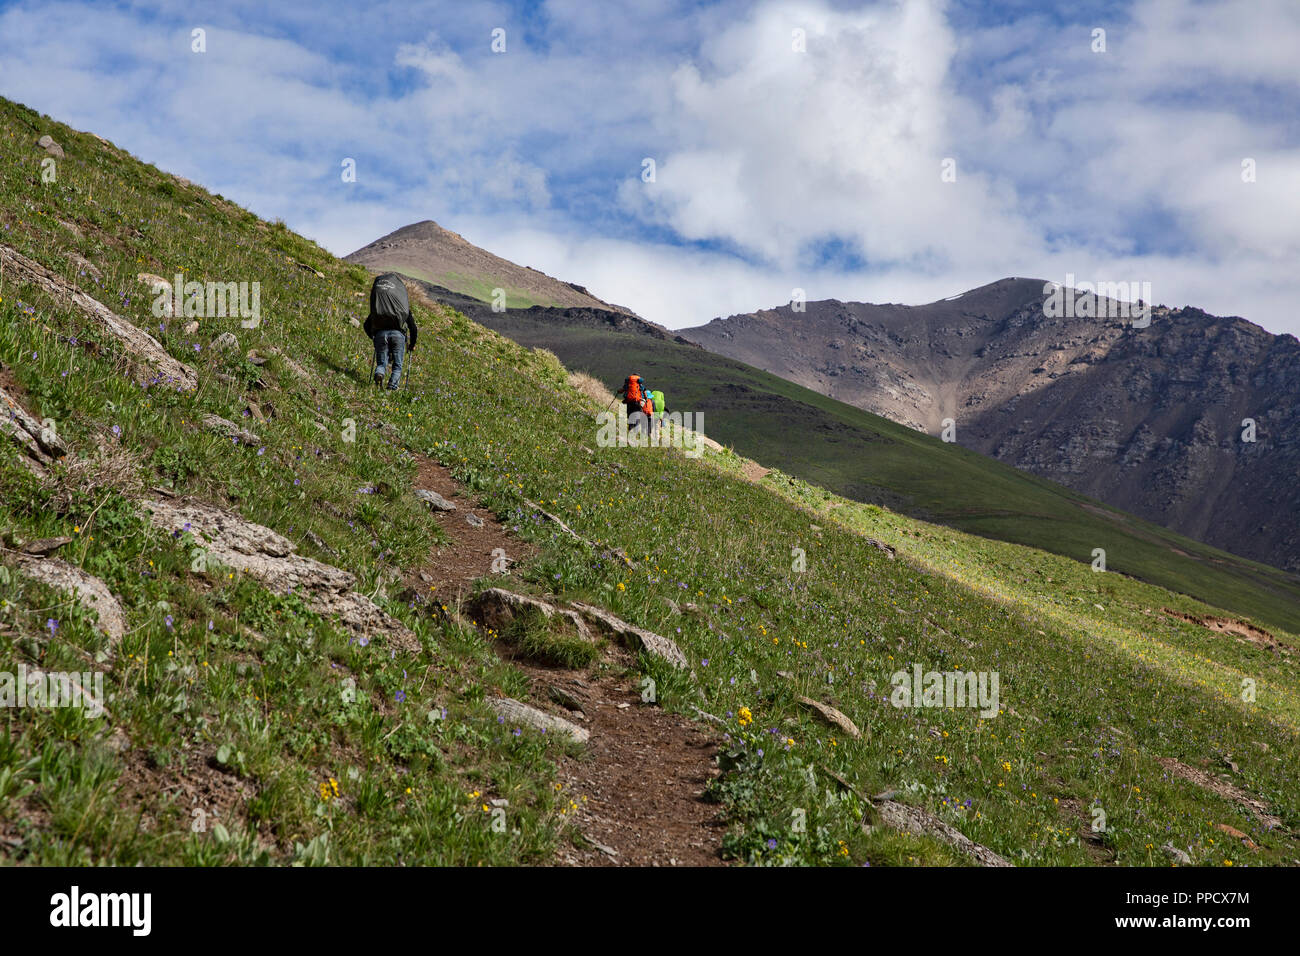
x,y
1225,625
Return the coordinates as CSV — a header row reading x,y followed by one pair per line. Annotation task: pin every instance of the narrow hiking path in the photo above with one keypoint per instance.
x,y
636,788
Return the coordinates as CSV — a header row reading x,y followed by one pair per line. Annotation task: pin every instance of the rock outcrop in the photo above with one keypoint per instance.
x,y
515,712
40,444
154,365
88,589
270,558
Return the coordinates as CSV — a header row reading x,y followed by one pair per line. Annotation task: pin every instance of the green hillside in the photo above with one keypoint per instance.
x,y
302,742
874,460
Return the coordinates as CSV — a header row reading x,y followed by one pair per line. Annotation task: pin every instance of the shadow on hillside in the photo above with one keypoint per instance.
x,y
358,375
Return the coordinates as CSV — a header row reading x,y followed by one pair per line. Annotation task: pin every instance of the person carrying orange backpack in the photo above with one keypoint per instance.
x,y
640,405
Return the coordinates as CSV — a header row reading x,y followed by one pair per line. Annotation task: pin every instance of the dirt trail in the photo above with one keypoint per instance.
x,y
644,771
452,569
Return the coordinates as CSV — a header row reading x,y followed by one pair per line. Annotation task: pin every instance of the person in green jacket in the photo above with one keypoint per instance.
x,y
658,418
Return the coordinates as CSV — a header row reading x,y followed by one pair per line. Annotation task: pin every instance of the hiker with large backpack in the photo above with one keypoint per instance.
x,y
640,406
388,324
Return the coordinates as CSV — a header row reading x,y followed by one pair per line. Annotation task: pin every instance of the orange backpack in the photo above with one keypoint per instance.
x,y
637,394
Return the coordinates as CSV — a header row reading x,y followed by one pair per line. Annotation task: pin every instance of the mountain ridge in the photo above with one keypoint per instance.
x,y
1147,419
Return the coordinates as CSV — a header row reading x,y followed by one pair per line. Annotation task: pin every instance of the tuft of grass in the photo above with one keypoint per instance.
x,y
593,388
548,643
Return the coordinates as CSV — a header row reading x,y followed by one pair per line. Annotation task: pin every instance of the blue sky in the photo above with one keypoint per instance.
x,y
776,167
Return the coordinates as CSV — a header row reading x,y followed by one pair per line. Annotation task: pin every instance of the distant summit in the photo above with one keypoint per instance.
x,y
427,251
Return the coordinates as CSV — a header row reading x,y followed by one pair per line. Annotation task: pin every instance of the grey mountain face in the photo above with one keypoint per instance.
x,y
1151,420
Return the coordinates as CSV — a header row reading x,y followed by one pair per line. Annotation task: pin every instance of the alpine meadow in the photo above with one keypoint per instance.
x,y
418,556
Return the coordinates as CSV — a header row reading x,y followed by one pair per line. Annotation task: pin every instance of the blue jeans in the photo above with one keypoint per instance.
x,y
391,342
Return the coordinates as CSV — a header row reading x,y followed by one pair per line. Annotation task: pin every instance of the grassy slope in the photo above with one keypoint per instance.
x,y
1090,697
872,459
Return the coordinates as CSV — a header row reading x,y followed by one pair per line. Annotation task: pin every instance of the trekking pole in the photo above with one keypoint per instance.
x,y
406,372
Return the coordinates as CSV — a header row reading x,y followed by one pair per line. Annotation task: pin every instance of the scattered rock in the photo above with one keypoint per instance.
x,y
269,558
41,444
1177,855
514,711
226,340
48,144
569,531
82,264
434,500
636,638
218,424
90,590
474,520
495,607
136,342
189,328
901,816
44,547
832,716
353,321
1221,787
